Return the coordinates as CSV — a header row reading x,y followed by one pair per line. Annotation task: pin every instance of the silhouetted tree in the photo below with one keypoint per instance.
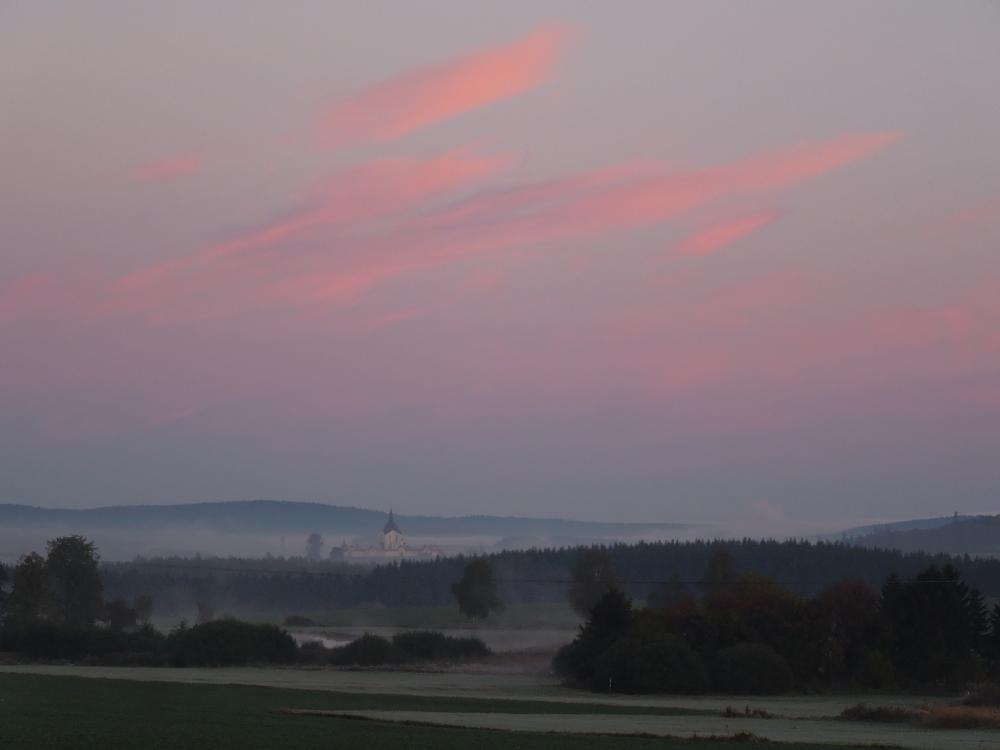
x,y
73,587
28,591
143,607
993,638
314,547
852,628
593,575
476,591
608,620
938,625
4,577
120,616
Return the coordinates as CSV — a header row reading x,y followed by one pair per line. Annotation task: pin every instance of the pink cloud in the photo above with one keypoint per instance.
x,y
718,236
367,225
656,197
344,201
415,100
168,168
371,190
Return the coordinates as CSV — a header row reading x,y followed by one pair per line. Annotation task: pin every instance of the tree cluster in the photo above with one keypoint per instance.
x,y
744,634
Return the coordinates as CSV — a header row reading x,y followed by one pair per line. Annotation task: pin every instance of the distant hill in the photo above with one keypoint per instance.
x,y
255,526
893,526
961,535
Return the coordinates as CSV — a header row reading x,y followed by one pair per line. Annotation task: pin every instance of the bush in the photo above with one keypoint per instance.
x,y
228,642
751,669
50,641
875,670
431,645
313,652
367,651
664,664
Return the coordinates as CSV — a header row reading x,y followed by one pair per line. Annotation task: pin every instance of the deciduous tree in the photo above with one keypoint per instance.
x,y
73,588
476,591
28,593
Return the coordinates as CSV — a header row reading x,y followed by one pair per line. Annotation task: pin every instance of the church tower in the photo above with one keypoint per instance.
x,y
392,537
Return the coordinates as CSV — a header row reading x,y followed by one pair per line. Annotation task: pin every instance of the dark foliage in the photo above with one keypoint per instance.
x,y
367,651
434,646
49,641
120,616
73,587
658,663
476,590
4,577
751,669
609,620
939,626
229,642
759,638
28,594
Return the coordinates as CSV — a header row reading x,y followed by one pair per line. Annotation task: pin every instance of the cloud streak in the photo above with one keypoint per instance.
x,y
168,168
415,100
712,239
367,225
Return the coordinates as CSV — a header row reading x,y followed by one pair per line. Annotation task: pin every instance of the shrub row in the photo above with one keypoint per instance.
x,y
217,643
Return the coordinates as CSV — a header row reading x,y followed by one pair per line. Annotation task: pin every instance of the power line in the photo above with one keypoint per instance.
x,y
540,581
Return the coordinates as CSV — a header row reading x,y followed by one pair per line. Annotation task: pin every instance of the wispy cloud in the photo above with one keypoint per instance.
x,y
420,98
342,203
168,168
714,238
367,225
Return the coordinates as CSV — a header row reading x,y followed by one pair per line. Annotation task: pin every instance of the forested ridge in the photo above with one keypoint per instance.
x,y
285,585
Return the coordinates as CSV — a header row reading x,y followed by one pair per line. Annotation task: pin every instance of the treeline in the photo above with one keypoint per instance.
x,y
56,609
743,634
53,607
294,585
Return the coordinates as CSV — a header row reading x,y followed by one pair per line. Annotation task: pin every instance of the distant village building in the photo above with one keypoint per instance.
x,y
392,546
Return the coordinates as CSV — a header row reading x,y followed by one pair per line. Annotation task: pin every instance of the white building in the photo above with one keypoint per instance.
x,y
391,546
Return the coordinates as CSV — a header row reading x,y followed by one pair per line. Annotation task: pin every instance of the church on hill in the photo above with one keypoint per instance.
x,y
391,546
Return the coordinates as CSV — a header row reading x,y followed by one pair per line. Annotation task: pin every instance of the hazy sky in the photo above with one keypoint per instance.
x,y
634,261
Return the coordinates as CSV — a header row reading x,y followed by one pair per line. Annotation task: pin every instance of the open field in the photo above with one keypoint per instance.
x,y
482,701
54,713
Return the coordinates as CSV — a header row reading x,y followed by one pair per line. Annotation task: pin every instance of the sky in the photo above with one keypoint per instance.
x,y
701,262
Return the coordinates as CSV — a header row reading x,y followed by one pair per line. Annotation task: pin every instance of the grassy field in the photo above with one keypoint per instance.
x,y
48,713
